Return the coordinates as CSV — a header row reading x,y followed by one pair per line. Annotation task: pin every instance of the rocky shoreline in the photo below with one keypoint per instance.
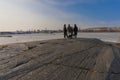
x,y
60,59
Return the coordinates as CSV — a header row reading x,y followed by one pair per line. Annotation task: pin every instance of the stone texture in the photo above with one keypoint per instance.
x,y
63,59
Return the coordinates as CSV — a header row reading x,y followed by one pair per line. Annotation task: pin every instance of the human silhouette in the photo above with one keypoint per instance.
x,y
65,31
75,30
70,31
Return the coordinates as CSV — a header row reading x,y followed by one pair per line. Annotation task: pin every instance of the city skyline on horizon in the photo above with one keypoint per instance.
x,y
52,14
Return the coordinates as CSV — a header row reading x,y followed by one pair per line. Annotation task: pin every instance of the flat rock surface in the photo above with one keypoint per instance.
x,y
62,59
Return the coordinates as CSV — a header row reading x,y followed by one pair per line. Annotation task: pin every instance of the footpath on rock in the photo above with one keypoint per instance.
x,y
60,59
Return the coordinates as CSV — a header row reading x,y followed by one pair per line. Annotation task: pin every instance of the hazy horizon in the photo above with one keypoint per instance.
x,y
52,14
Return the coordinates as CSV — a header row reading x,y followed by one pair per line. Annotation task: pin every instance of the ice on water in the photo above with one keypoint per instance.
x,y
111,37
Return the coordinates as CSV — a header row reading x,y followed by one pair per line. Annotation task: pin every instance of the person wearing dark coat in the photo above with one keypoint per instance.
x,y
75,30
65,31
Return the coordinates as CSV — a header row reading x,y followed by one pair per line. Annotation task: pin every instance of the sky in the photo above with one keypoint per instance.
x,y
52,14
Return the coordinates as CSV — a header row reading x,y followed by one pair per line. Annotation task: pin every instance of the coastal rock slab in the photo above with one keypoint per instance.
x,y
12,50
62,59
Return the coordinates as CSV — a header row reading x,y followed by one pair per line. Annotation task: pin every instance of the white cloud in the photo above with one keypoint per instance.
x,y
19,15
32,14
15,16
69,2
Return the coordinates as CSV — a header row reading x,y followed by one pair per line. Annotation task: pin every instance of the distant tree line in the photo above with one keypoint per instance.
x,y
102,29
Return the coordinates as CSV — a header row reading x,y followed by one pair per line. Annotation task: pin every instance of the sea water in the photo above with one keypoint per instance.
x,y
18,38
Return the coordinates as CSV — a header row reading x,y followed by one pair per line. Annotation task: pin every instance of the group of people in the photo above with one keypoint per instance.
x,y
70,31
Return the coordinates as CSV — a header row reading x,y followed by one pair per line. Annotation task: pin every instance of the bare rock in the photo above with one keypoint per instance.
x,y
63,59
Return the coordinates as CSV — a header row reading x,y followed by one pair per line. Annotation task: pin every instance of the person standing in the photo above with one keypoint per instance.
x,y
70,31
65,31
75,30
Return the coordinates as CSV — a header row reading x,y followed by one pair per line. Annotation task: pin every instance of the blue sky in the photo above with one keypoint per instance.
x,y
52,14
